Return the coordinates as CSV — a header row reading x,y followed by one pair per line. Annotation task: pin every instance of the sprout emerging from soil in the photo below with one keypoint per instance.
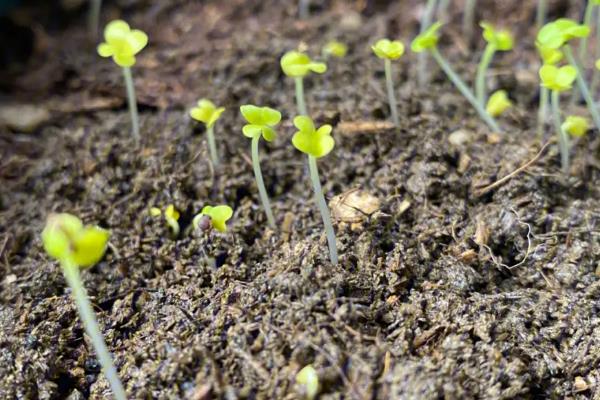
x,y
122,44
308,380
498,103
549,56
171,218
76,246
497,40
389,50
335,49
427,41
576,126
208,113
261,121
297,65
219,215
558,80
317,143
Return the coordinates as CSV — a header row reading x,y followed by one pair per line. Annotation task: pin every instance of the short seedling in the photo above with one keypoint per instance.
x,y
427,41
558,80
171,218
261,121
122,44
76,246
549,57
497,40
389,50
218,215
498,103
308,380
576,126
208,113
334,48
317,143
556,35
297,65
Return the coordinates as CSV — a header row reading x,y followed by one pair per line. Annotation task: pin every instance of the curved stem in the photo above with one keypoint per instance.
x,y
320,200
422,57
464,90
542,110
583,86
563,139
212,146
484,64
540,17
390,90
86,313
300,96
131,100
264,198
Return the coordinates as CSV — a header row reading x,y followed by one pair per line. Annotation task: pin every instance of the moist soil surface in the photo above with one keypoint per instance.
x,y
443,290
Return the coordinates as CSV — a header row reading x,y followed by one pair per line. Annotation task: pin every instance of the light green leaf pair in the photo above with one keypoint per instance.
x,y
385,48
501,39
66,238
335,48
555,34
316,142
219,215
576,126
558,79
261,120
122,43
549,56
206,112
297,64
428,39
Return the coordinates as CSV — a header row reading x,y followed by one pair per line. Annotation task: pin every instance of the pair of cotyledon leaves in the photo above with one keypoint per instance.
x,y
122,43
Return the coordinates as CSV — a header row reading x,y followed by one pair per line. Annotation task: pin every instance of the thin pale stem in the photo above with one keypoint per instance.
x,y
563,139
264,198
595,74
583,47
320,200
86,313
540,17
390,90
303,6
212,146
542,111
422,57
583,86
443,10
469,18
300,96
484,64
464,90
131,100
94,18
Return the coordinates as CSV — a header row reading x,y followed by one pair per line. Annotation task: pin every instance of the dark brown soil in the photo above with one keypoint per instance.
x,y
425,303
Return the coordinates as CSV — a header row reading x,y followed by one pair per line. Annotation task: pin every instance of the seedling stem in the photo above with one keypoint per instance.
x,y
425,22
300,103
595,74
94,18
486,59
540,17
212,147
390,89
563,139
133,110
468,19
261,184
542,111
320,200
583,86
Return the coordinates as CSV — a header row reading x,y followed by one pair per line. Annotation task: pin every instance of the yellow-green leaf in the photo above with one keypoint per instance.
x,y
335,48
576,126
261,120
498,103
89,246
297,64
317,143
501,39
428,39
206,112
385,48
558,79
219,215
308,379
122,43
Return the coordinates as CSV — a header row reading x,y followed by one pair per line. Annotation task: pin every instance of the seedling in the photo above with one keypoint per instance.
x,y
76,246
261,121
317,143
208,113
425,22
389,50
497,40
557,35
335,49
122,44
576,126
549,57
558,80
171,216
308,379
218,215
427,41
297,65
498,103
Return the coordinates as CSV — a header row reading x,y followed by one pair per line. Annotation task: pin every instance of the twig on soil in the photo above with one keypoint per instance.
x,y
499,182
509,267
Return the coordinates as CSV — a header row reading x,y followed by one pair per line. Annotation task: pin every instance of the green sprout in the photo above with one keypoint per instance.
x,y
576,126
558,80
425,23
549,56
122,44
208,113
76,246
389,50
308,379
261,121
497,40
556,35
171,218
218,215
335,49
427,41
317,143
297,65
498,103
